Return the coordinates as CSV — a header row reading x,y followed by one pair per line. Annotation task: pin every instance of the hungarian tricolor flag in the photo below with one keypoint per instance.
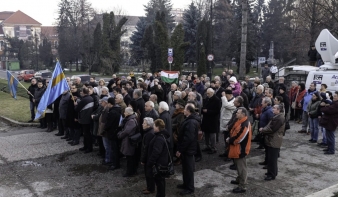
x,y
169,76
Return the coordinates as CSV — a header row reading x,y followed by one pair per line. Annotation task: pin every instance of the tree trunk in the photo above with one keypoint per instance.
x,y
244,39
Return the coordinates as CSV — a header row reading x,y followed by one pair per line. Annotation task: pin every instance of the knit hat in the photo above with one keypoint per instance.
x,y
233,79
227,91
181,102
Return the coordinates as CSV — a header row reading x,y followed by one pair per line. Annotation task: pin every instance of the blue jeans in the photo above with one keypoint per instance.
x,y
108,146
305,120
313,122
324,135
330,141
32,108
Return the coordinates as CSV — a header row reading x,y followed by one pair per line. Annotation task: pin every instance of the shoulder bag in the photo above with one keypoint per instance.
x,y
136,138
165,171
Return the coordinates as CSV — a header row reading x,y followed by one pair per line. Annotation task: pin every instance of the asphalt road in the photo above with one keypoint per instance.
x,y
36,163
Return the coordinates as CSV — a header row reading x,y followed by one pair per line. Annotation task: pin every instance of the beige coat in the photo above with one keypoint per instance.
x,y
274,131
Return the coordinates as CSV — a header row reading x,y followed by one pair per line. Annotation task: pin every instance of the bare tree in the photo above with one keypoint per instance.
x,y
244,38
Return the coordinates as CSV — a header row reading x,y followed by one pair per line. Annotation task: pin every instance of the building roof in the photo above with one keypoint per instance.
x,y
49,32
4,15
20,18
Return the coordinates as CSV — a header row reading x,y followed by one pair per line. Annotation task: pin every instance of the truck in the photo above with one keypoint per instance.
x,y
327,46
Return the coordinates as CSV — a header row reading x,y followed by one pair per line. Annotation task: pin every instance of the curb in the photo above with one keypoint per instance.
x,y
327,192
15,123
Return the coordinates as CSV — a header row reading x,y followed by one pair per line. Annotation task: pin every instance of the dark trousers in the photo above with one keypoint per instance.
x,y
102,150
87,140
130,165
199,152
298,114
272,156
226,145
137,157
188,166
330,139
116,152
160,185
292,114
149,179
49,120
32,109
63,128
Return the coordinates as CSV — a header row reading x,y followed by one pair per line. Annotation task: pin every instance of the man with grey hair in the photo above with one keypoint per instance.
x,y
268,92
137,96
177,95
77,82
210,122
119,100
269,82
150,111
170,95
255,108
193,97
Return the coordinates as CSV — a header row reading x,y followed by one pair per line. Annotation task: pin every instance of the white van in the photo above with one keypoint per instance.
x,y
328,77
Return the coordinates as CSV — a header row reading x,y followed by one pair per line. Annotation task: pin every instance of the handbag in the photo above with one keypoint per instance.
x,y
293,105
165,171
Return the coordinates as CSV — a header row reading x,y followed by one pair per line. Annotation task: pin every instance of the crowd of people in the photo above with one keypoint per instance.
x,y
155,124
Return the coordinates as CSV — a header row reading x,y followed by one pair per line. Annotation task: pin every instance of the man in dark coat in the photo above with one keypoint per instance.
x,y
31,91
210,123
312,54
63,108
286,100
150,111
137,96
187,148
265,71
37,97
219,90
84,109
126,97
165,115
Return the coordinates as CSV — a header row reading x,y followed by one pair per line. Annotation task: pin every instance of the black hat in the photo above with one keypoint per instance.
x,y
283,88
227,91
181,102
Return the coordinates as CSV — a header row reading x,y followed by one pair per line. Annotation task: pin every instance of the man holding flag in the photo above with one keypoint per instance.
x,y
57,85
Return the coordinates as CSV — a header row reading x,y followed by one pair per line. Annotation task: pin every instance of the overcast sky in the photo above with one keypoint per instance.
x,y
45,11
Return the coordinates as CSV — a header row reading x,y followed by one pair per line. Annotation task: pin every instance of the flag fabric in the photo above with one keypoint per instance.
x,y
12,84
57,85
169,76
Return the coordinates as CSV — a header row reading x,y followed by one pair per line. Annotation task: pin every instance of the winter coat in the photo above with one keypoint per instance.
x,y
245,100
102,120
227,109
330,118
312,108
188,135
265,116
96,117
236,91
218,93
166,117
240,139
199,87
176,120
293,93
147,137
152,114
286,102
307,98
256,104
96,101
32,89
265,72
38,95
129,128
63,106
112,123
159,93
126,99
312,54
140,107
158,153
210,122
274,131
299,97
85,109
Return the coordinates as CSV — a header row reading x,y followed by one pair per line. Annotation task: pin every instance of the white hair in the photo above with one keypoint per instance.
x,y
151,104
129,110
119,96
105,88
149,121
163,105
211,90
260,87
178,93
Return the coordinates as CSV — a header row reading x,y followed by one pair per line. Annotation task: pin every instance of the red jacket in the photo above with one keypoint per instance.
x,y
240,139
299,98
292,94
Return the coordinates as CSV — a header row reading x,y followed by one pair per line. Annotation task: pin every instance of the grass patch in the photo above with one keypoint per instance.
x,y
14,109
21,91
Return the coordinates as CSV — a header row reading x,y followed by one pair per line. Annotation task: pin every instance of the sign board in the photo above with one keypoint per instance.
x,y
210,57
261,60
170,52
170,59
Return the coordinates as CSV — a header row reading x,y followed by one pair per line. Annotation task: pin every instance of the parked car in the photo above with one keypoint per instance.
x,y
84,78
43,75
25,75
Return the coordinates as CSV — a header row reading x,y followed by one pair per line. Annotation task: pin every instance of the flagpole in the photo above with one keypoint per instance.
x,y
21,84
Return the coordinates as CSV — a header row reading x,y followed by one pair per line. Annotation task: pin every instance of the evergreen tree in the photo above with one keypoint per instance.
x,y
149,46
179,46
202,62
162,6
97,47
45,53
161,41
202,38
137,50
191,17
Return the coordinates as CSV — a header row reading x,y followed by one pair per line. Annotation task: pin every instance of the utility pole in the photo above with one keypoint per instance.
x,y
210,38
89,62
37,51
242,64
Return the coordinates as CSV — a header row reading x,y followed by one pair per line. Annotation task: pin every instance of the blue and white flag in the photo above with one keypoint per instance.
x,y
57,85
12,84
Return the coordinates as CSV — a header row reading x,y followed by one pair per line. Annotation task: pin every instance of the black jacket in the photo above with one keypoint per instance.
x,y
188,135
152,114
126,99
32,89
210,123
147,137
112,123
63,106
140,107
286,102
166,117
38,95
85,109
158,153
